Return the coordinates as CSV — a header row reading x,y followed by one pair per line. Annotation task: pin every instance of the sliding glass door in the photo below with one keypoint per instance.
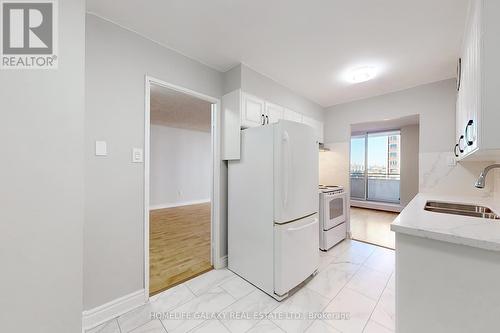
x,y
358,170
375,166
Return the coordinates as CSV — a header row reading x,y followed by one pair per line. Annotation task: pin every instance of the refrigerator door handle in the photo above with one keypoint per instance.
x,y
315,221
286,173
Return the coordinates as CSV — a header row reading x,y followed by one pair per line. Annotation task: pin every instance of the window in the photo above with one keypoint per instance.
x,y
375,166
358,167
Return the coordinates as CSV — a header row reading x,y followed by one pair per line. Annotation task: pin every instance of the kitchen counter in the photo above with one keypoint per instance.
x,y
447,268
463,230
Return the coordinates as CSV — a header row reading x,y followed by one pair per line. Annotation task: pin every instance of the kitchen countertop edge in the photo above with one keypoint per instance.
x,y
461,230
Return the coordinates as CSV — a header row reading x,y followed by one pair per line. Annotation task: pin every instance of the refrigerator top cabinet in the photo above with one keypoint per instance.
x,y
478,79
242,110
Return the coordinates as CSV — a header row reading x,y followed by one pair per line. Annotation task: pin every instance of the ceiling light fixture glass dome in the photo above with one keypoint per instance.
x,y
362,74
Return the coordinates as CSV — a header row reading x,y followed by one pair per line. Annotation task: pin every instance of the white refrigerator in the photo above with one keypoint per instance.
x,y
273,239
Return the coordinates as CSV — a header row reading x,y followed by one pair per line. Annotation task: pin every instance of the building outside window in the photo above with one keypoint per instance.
x,y
375,166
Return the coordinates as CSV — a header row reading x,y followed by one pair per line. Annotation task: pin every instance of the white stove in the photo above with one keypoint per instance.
x,y
332,216
330,189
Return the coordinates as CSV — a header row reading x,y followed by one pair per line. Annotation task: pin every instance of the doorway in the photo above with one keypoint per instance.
x,y
383,176
181,185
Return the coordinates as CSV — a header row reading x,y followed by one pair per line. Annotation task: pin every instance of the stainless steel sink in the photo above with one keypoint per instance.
x,y
461,209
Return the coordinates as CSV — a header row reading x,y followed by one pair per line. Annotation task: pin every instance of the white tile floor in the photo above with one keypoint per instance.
x,y
355,279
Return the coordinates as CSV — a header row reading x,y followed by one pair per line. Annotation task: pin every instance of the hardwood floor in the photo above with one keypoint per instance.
x,y
373,226
179,245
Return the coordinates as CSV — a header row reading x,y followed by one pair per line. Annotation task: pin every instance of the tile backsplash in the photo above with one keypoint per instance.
x,y
496,185
437,175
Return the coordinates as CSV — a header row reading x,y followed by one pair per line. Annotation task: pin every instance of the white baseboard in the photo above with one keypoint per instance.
x,y
397,208
178,204
103,313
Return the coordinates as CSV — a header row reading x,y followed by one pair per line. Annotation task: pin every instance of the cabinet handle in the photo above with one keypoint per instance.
x,y
459,73
468,140
262,119
455,150
460,145
267,120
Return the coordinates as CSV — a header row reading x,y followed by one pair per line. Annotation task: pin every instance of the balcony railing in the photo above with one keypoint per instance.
x,y
380,187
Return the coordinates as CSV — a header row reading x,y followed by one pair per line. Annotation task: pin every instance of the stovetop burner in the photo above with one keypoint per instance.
x,y
330,188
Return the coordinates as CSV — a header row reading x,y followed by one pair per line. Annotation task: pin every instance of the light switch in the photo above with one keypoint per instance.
x,y
101,148
137,155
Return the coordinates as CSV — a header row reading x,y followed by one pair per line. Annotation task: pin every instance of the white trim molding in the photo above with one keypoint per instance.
x,y
178,204
221,263
397,208
215,196
103,313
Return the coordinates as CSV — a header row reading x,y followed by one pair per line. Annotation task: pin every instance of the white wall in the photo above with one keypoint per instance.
x,y
232,79
435,104
252,82
180,166
117,62
496,181
409,163
41,191
263,87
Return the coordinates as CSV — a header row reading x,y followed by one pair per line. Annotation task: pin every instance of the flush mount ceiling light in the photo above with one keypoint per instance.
x,y
361,74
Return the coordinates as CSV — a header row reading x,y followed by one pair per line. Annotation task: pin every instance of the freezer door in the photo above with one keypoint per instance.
x,y
296,174
296,253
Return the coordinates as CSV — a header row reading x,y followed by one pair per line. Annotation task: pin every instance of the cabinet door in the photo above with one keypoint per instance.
x,y
293,116
273,113
473,84
459,111
252,111
317,125
468,98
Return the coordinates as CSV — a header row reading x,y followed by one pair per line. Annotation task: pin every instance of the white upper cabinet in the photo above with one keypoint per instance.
x,y
273,113
293,116
478,79
242,110
252,111
316,124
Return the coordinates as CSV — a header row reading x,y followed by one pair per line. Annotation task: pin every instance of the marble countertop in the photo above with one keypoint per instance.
x,y
464,230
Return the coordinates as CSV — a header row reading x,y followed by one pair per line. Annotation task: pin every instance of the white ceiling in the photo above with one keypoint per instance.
x,y
307,45
175,109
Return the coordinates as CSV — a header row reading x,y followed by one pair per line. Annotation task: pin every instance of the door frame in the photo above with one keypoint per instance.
x,y
215,193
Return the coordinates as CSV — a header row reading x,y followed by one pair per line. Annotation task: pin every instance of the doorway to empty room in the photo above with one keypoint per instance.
x,y
180,187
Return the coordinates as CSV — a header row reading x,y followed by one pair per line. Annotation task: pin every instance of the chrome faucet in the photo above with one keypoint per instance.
x,y
481,181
